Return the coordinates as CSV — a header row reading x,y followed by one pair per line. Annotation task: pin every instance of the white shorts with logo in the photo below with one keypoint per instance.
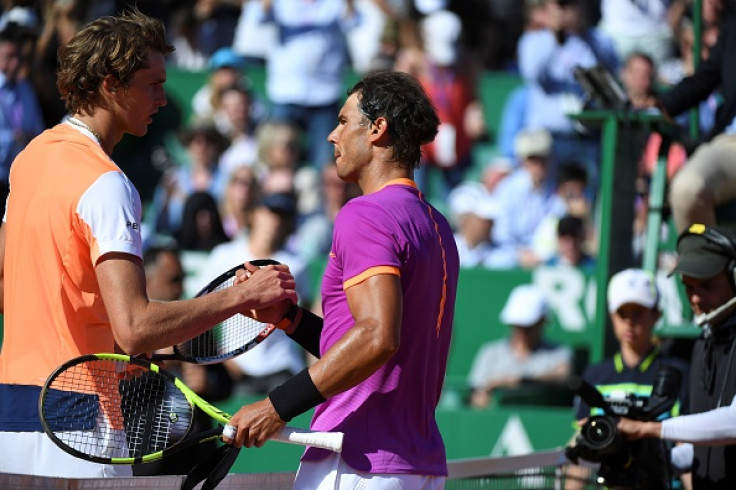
x,y
333,473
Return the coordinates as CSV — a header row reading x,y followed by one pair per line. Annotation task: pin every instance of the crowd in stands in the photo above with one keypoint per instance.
x,y
252,176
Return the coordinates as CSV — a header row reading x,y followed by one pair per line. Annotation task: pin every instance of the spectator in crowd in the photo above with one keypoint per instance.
x,y
277,358
548,58
633,306
514,112
254,39
708,178
571,239
524,355
201,225
60,21
525,198
225,69
637,77
495,171
474,210
449,77
204,145
20,114
241,194
705,265
280,149
234,119
199,29
645,27
304,68
570,198
165,282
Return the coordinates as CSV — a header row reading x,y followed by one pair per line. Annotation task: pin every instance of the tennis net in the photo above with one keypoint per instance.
x,y
538,471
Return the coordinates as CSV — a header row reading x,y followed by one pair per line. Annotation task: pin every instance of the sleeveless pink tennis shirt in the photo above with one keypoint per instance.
x,y
389,419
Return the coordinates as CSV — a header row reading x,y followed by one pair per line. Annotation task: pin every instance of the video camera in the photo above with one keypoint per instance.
x,y
642,464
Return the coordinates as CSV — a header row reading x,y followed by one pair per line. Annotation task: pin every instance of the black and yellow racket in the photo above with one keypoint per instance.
x,y
227,339
118,409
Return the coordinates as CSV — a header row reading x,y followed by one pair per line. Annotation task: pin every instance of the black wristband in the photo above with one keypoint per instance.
x,y
308,333
295,396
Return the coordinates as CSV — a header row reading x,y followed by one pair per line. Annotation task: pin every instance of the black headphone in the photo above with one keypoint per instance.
x,y
722,241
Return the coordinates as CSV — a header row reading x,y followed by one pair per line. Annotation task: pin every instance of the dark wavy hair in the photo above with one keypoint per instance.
x,y
108,46
411,116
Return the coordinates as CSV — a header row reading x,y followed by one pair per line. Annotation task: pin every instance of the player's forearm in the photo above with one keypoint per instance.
x,y
155,325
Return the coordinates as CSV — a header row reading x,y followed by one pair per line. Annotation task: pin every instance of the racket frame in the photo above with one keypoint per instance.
x,y
331,441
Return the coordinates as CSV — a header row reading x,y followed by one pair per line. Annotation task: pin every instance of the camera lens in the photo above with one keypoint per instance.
x,y
599,432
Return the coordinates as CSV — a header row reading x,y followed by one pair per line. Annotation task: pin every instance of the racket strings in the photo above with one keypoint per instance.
x,y
112,409
226,339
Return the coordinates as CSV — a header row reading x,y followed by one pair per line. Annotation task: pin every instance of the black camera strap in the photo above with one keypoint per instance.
x,y
728,372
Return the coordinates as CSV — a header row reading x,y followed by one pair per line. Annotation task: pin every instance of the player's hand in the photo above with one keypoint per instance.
x,y
637,429
263,287
255,424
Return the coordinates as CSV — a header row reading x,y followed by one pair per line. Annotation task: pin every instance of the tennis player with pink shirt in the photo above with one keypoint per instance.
x,y
388,297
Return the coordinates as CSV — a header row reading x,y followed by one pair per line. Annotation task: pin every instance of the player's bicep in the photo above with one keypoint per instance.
x,y
378,301
122,283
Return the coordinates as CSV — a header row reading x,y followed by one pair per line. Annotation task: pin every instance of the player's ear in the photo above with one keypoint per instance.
x,y
379,130
110,84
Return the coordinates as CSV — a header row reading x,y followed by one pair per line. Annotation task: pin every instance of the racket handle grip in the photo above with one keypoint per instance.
x,y
324,440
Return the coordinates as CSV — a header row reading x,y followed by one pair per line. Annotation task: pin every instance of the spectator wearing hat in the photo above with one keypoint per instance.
x,y
199,171
474,210
225,70
524,355
633,305
705,264
526,198
277,358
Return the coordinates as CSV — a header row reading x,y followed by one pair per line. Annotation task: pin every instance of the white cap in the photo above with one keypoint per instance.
x,y
428,6
536,143
632,286
525,307
440,32
472,197
23,16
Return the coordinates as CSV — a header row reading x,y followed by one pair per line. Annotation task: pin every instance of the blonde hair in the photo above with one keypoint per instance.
x,y
108,46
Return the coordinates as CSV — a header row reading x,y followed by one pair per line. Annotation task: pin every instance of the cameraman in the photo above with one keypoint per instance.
x,y
633,304
706,263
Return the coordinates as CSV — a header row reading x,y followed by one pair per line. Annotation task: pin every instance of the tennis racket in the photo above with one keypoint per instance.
x,y
118,409
227,339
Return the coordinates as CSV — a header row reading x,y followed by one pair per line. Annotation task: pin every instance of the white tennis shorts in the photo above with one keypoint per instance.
x,y
33,453
333,473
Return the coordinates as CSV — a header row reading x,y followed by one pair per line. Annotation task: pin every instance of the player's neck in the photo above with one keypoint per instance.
x,y
377,176
97,124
